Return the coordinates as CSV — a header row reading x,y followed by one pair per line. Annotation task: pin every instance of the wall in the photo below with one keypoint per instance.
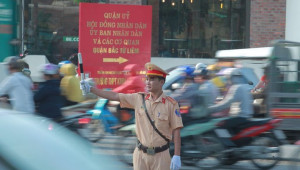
x,y
292,16
267,21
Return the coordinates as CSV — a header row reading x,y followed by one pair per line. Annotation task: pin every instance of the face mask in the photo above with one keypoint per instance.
x,y
26,72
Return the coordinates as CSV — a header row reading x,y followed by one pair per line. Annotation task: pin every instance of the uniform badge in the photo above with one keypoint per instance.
x,y
177,113
163,100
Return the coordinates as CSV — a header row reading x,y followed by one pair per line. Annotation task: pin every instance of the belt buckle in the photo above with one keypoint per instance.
x,y
150,151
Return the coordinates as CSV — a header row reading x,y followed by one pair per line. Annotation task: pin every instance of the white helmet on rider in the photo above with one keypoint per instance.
x,y
200,66
49,69
236,76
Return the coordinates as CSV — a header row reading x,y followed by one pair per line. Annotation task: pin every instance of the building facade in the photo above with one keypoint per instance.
x,y
180,28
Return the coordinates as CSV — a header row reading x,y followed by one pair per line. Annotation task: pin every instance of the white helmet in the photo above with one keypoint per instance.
x,y
200,66
49,69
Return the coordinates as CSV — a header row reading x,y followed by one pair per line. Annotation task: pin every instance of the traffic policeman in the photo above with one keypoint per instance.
x,y
152,151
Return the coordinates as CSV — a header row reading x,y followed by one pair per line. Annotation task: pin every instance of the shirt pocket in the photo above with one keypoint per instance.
x,y
141,112
163,122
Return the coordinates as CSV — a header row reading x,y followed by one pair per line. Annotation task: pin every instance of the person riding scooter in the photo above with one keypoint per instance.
x,y
239,93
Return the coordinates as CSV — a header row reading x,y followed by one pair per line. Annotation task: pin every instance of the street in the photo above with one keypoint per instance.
x,y
109,146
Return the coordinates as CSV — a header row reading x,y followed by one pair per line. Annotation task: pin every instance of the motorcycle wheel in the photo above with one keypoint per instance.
x,y
124,147
93,131
268,155
211,149
228,161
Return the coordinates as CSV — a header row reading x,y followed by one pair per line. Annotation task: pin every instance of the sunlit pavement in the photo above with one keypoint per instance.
x,y
108,145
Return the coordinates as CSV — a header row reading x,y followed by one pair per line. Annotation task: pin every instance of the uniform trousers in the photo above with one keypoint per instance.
x,y
158,161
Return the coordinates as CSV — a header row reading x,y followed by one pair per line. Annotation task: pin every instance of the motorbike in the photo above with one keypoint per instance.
x,y
80,124
126,144
257,140
209,142
109,115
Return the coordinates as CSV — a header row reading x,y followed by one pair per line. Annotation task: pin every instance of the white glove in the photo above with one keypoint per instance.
x,y
175,163
85,87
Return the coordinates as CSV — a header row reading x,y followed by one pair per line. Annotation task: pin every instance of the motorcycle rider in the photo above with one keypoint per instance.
x,y
70,85
48,97
18,87
185,91
206,94
184,94
201,93
238,92
218,81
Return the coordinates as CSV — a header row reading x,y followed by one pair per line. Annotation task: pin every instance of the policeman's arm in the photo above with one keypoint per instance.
x,y
177,141
110,95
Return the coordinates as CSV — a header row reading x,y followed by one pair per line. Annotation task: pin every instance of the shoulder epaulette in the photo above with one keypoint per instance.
x,y
173,101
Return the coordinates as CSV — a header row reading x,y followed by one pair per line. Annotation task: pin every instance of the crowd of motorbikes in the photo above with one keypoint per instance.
x,y
207,142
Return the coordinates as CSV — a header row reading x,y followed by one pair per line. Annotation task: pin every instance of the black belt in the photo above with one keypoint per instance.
x,y
152,150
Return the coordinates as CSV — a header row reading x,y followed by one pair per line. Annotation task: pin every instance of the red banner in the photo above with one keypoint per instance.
x,y
111,37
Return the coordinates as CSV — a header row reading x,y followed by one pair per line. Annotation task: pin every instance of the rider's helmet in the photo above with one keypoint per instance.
x,y
236,76
188,71
200,66
49,69
213,69
202,72
63,62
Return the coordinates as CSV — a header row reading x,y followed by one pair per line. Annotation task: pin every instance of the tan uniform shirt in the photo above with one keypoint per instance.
x,y
164,111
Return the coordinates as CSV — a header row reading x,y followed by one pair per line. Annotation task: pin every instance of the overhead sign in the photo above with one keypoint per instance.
x,y
111,37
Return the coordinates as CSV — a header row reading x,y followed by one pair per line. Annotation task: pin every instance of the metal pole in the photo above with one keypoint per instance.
x,y
22,29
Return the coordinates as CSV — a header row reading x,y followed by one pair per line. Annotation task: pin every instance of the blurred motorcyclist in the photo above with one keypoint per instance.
x,y
133,83
48,97
200,94
18,87
206,86
185,92
25,68
70,84
218,81
238,93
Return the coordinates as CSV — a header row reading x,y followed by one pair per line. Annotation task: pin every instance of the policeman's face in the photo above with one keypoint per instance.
x,y
154,84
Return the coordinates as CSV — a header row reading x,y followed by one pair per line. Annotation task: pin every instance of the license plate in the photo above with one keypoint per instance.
x,y
223,133
279,134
